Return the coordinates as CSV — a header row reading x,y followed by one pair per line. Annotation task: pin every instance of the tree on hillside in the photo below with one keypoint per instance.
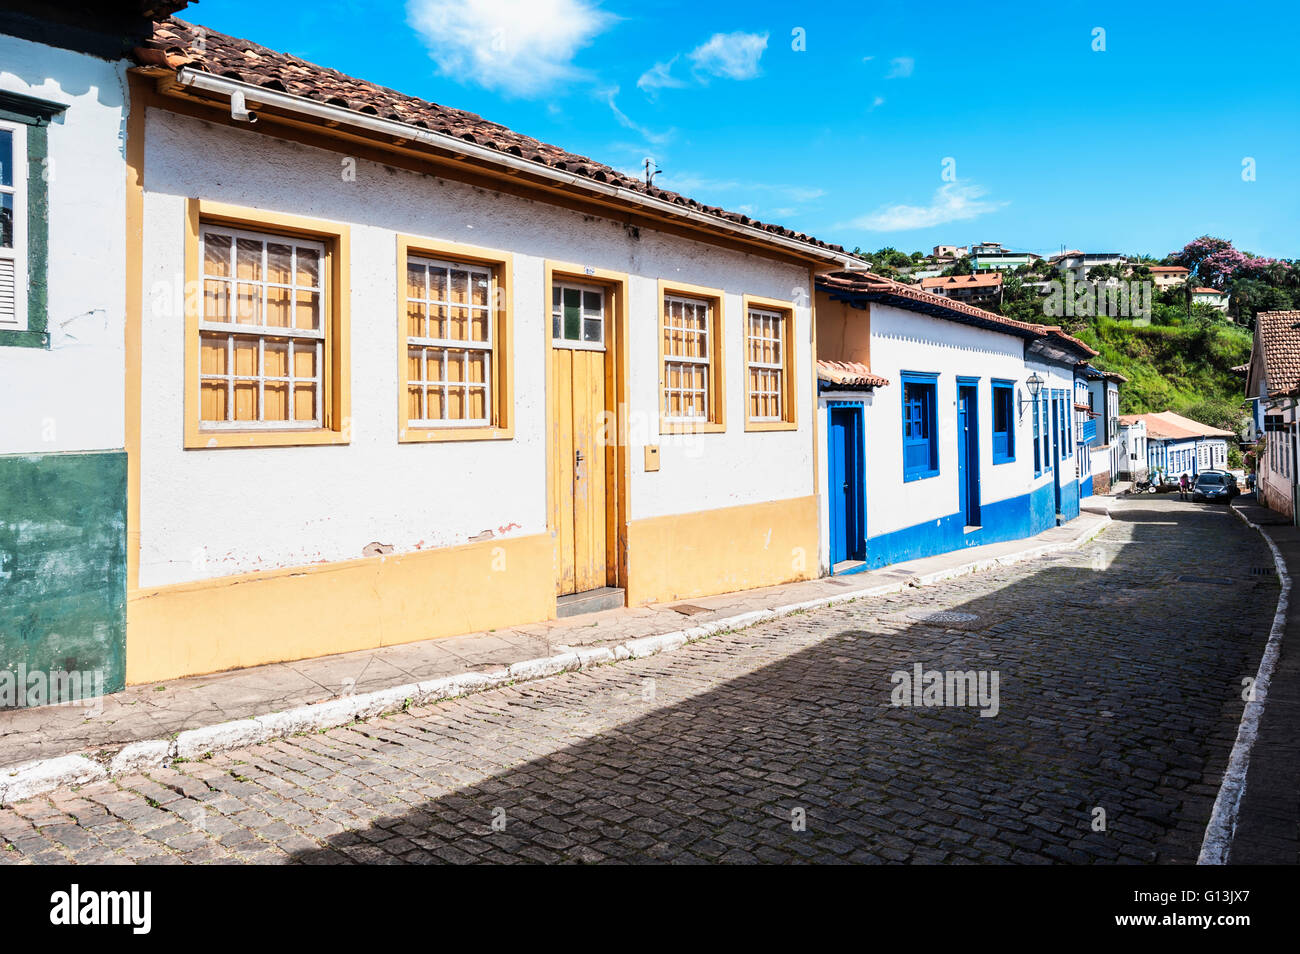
x,y
960,267
1022,302
1252,295
1099,273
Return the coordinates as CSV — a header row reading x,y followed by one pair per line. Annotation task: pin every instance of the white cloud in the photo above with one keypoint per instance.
x,y
730,55
951,203
659,76
516,46
610,96
900,67
876,103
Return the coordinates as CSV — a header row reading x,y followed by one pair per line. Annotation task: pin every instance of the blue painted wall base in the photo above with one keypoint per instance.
x,y
1010,519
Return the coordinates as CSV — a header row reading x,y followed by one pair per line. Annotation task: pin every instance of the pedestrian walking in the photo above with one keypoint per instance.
x,y
1182,486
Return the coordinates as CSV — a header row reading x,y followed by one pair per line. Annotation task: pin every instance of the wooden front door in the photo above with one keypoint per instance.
x,y
578,370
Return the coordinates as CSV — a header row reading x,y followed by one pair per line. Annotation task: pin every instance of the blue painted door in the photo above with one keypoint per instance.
x,y
968,456
845,493
1056,450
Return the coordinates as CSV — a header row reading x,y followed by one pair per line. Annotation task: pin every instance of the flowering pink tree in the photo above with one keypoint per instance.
x,y
1216,263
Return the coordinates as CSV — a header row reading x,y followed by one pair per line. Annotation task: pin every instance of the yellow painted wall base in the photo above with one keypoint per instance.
x,y
719,551
248,620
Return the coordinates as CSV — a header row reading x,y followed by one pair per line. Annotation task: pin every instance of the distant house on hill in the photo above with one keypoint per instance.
x,y
1216,299
981,286
1167,276
1081,263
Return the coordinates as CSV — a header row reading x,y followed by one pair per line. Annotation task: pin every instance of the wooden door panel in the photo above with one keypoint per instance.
x,y
581,462
593,472
563,443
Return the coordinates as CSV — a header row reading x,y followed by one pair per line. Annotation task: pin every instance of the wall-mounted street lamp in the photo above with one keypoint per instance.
x,y
1035,385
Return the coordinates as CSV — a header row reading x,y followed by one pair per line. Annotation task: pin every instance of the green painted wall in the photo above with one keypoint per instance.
x,y
63,565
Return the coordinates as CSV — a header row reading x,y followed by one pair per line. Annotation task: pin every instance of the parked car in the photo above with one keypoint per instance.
x,y
1214,486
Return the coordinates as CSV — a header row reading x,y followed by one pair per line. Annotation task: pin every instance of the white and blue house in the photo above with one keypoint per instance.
x,y
1177,445
946,426
1096,397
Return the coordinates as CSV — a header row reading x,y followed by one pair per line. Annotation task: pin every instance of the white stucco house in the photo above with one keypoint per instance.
x,y
1273,394
394,372
946,426
1132,449
1097,399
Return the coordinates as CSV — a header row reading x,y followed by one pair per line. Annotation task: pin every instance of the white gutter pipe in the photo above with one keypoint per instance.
x,y
237,89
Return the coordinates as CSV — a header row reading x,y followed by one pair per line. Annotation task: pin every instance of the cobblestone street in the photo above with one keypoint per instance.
x,y
1120,668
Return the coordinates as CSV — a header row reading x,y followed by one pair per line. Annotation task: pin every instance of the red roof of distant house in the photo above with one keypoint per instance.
x,y
1208,291
176,44
1172,269
977,280
1170,426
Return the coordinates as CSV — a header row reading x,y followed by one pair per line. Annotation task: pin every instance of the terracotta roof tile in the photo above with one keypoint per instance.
x,y
175,43
848,374
869,283
1279,338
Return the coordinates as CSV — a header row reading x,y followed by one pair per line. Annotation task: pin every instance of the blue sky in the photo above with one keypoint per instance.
x,y
1135,148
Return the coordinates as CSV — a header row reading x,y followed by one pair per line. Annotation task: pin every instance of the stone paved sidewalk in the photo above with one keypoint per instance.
x,y
160,710
1119,690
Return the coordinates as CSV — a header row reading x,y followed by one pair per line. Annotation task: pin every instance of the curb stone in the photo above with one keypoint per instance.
x,y
44,775
30,779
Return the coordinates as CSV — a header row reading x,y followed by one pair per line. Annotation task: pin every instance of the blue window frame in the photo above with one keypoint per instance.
x,y
1004,422
1044,400
1038,455
1062,425
920,430
1069,422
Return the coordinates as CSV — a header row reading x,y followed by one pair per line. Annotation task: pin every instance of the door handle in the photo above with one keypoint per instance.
x,y
577,464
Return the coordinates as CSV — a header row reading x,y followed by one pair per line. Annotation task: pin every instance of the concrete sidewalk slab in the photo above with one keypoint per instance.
x,y
151,724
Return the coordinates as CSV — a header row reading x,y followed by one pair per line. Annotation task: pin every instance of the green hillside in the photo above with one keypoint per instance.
x,y
1179,368
1176,353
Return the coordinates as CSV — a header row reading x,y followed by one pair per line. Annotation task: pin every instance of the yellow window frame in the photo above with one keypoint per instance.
x,y
336,398
501,424
716,422
789,406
